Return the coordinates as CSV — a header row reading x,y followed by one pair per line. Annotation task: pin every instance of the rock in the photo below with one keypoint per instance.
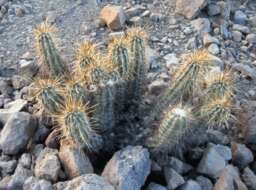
x,y
251,38
128,168
157,86
32,183
7,167
208,39
134,11
136,20
172,178
18,82
113,16
154,186
191,185
75,162
17,132
25,160
201,25
229,180
245,70
171,59
179,166
240,17
252,20
224,151
157,17
212,163
89,182
48,165
37,149
27,68
41,134
214,49
190,9
11,108
250,131
52,140
4,182
204,183
243,29
19,10
237,36
213,9
60,185
242,156
19,177
249,178
5,87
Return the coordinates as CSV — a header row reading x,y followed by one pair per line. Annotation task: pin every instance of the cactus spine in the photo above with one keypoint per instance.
x,y
76,126
217,112
76,90
174,125
48,51
49,95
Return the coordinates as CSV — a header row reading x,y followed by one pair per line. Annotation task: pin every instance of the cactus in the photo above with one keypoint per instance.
x,y
186,81
47,51
49,95
76,90
137,38
219,84
174,125
76,126
217,112
119,55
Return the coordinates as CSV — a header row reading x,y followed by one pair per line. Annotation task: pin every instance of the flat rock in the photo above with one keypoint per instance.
x,y
128,168
88,182
75,162
17,132
212,163
190,9
242,156
48,165
113,16
172,178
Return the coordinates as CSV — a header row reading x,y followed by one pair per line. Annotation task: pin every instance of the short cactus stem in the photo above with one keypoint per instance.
x,y
51,60
173,128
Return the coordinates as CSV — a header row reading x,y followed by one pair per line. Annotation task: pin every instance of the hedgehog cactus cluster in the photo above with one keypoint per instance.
x,y
83,100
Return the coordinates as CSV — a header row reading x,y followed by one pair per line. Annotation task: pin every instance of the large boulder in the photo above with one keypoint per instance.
x,y
190,9
88,182
128,168
75,162
17,132
113,16
48,165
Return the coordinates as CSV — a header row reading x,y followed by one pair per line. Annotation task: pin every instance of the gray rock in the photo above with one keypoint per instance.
x,y
25,160
154,186
60,185
213,9
7,167
134,11
172,178
179,166
41,134
208,39
242,156
19,177
202,25
4,182
89,182
48,165
204,183
5,87
18,82
212,163
11,108
249,178
229,180
171,59
224,151
16,133
240,17
245,70
251,38
243,29
75,162
157,87
250,131
237,36
128,168
27,68
191,185
190,9
214,49
33,183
